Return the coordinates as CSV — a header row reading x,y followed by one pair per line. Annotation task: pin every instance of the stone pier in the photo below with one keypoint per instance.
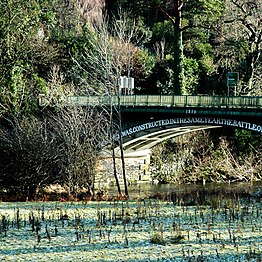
x,y
136,166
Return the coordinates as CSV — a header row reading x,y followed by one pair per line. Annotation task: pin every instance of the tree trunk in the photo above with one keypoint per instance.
x,y
178,50
113,150
115,171
251,59
178,79
249,72
121,146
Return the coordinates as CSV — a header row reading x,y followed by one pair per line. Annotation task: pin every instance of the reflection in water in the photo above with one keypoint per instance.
x,y
147,190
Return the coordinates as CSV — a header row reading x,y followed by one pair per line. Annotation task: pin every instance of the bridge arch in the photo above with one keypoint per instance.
x,y
146,135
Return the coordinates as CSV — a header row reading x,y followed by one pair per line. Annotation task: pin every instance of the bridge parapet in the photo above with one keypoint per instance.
x,y
169,101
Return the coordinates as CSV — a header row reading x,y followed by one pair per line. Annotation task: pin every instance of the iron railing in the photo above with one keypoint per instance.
x,y
169,101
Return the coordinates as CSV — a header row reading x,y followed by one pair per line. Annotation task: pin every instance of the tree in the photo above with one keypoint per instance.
x,y
80,133
28,54
92,10
168,20
245,18
111,54
28,156
19,28
60,147
174,15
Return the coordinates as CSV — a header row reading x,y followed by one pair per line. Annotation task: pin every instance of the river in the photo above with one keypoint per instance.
x,y
162,190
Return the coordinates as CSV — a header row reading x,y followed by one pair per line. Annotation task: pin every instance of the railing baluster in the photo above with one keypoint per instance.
x,y
169,100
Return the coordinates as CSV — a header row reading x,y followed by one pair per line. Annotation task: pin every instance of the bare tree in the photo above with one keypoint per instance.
x,y
107,59
196,157
80,133
92,10
243,23
28,156
60,147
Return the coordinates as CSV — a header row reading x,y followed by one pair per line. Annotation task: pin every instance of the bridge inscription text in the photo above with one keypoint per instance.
x,y
192,120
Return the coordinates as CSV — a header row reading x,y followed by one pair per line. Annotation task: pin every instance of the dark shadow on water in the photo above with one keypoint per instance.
x,y
162,191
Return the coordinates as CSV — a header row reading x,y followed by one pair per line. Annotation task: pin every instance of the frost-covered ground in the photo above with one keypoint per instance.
x,y
137,230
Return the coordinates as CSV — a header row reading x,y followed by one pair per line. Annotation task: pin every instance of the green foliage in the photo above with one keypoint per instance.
x,y
191,75
203,12
163,32
207,64
41,84
48,16
72,47
200,49
34,40
142,66
247,141
38,36
18,28
147,62
160,80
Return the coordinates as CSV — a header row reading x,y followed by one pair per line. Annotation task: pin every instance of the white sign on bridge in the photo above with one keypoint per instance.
x,y
232,81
